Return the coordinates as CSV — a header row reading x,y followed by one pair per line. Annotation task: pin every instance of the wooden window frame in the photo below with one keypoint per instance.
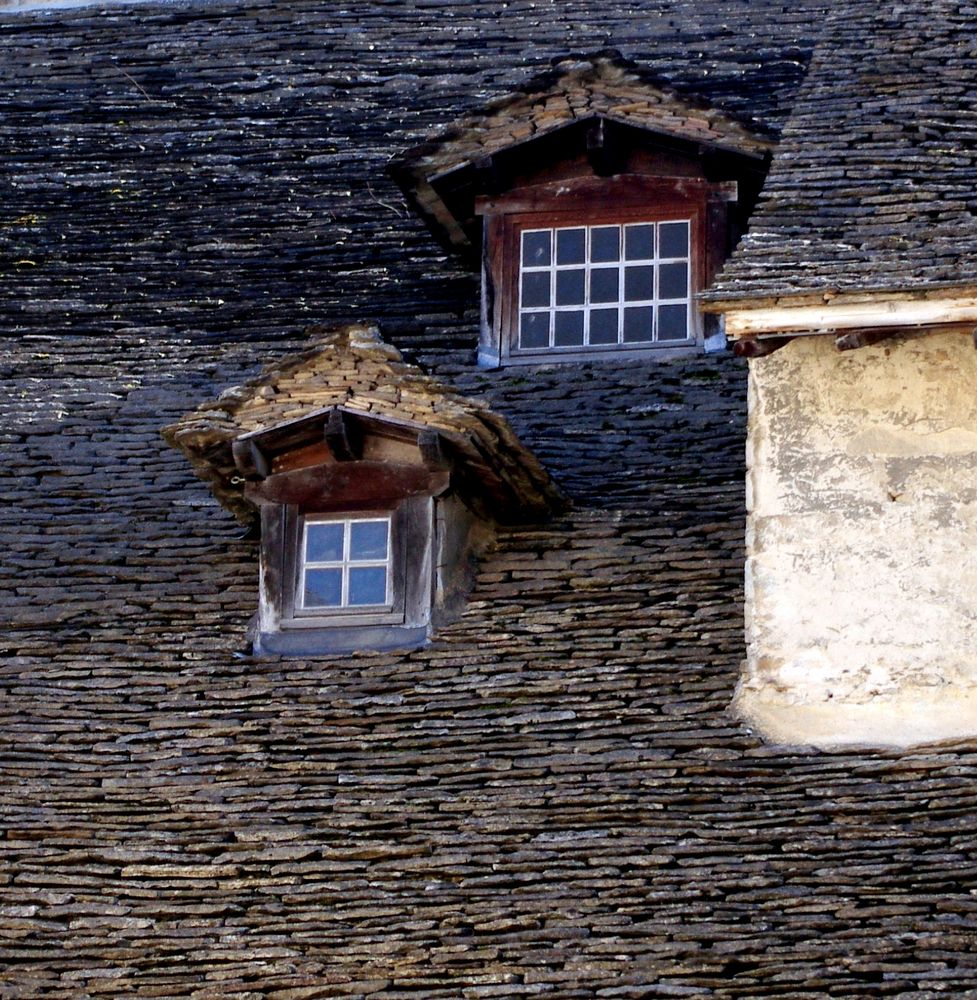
x,y
591,201
514,225
392,560
294,615
587,267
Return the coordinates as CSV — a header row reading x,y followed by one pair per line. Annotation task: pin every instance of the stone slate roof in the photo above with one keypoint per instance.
x,y
872,187
220,167
549,800
353,369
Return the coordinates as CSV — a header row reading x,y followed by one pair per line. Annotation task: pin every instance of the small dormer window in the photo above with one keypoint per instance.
x,y
375,488
604,286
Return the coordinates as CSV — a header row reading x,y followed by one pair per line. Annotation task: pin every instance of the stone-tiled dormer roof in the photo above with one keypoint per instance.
x,y
576,90
352,369
873,185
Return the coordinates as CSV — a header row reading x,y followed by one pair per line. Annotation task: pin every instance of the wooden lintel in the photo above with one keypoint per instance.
x,y
759,347
432,450
341,437
851,340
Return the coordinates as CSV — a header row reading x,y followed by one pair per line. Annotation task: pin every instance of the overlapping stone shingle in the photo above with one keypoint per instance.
x,y
550,799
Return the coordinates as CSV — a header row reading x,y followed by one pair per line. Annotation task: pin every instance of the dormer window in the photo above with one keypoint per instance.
x,y
595,287
376,488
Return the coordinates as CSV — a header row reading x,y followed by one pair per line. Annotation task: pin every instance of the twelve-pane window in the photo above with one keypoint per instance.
x,y
345,563
603,286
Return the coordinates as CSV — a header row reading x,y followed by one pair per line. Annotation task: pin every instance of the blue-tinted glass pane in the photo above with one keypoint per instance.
x,y
324,542
569,288
368,540
604,284
639,283
367,585
605,243
639,324
673,323
568,330
603,326
673,281
571,245
673,239
534,330
536,249
639,242
536,289
323,588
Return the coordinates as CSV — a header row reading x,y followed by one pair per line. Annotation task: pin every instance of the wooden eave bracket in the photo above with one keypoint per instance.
x,y
341,436
759,347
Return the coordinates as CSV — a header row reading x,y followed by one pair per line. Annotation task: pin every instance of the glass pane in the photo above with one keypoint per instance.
x,y
536,248
323,588
569,329
603,326
604,284
639,283
571,244
534,330
536,289
639,242
638,324
569,288
324,542
673,281
673,239
605,243
368,540
673,323
367,585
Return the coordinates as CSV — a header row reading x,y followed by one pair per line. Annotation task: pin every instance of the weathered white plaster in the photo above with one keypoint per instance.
x,y
862,542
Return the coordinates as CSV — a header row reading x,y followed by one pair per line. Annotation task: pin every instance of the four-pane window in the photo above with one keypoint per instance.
x,y
345,564
604,286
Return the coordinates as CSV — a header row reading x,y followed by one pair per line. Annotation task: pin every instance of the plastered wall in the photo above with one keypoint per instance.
x,y
862,542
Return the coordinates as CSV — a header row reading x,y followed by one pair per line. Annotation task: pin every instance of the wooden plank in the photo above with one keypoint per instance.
x,y
838,315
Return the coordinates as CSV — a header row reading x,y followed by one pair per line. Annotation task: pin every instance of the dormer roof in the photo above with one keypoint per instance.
x,y
350,385
583,102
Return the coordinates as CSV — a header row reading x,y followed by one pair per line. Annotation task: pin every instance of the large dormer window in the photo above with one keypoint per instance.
x,y
600,202
604,286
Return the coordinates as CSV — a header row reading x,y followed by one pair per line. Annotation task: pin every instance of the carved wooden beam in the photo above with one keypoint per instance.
x,y
250,459
341,437
755,347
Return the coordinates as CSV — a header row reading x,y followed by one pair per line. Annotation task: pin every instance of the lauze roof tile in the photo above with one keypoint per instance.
x,y
549,799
